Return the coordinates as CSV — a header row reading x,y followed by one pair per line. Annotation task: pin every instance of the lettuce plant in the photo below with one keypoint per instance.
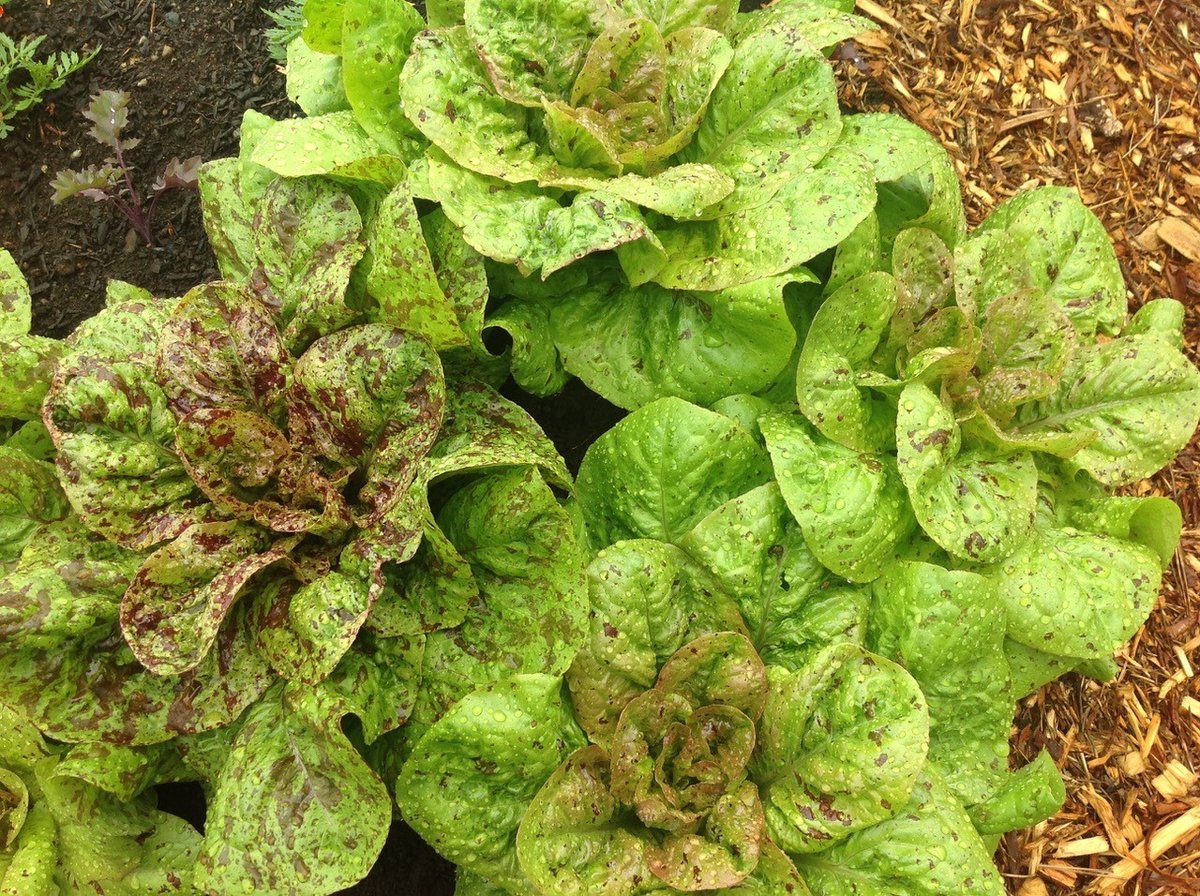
x,y
268,508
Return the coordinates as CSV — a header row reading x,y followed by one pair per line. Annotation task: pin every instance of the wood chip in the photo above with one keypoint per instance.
x,y
1147,851
1176,780
1182,236
1089,846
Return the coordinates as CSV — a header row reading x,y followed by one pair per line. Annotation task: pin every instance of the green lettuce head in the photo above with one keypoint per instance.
x,y
565,128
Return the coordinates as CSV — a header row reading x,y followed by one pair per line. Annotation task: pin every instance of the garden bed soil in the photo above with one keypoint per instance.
x,y
1102,96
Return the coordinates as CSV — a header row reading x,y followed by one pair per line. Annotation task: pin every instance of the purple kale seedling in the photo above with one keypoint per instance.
x,y
113,180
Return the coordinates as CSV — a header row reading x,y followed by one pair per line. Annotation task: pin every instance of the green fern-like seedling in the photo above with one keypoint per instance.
x,y
288,23
25,79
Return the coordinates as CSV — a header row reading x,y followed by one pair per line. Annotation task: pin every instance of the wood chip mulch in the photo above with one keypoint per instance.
x,y
1104,96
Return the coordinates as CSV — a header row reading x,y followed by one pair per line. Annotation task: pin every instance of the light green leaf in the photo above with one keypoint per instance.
x,y
1029,796
837,353
1139,394
840,746
850,506
633,345
664,468
403,279
947,629
1069,254
323,25
533,357
290,753
975,506
446,93
755,549
27,365
672,15
680,191
648,599
1073,594
524,225
376,37
532,49
314,80
773,117
918,186
810,213
928,848
822,24
333,144
469,780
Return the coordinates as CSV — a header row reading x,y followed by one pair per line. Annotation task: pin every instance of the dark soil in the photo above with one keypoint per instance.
x,y
191,68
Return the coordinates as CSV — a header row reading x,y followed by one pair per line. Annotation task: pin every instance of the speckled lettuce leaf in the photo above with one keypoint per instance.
x,y
229,192
68,668
371,397
462,276
30,497
1153,521
672,15
332,144
851,507
1069,254
484,431
917,184
821,24
1027,343
27,365
664,468
114,433
175,605
947,629
115,848
378,680
1139,394
525,225
290,752
840,746
529,616
323,25
403,279
753,546
533,358
1162,317
1028,796
471,777
446,93
773,116
16,304
647,599
635,344
220,348
28,869
832,385
977,506
305,241
375,40
574,813
422,589
308,627
534,49
928,848
680,191
1075,594
314,80
247,467
26,362
121,770
811,212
